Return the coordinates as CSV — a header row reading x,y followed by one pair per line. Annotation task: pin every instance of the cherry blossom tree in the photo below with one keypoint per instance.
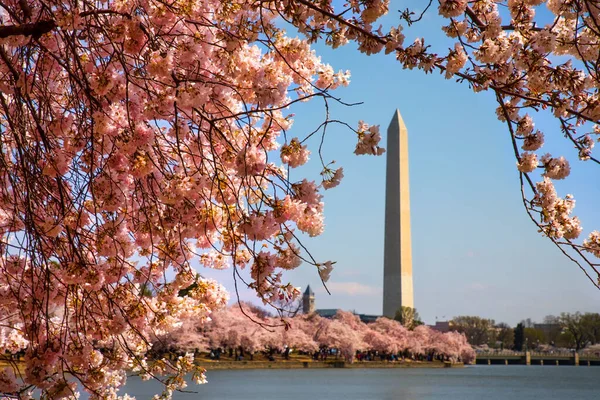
x,y
538,57
189,337
250,344
399,335
513,55
238,327
437,343
135,137
340,336
460,347
232,329
138,135
297,338
379,342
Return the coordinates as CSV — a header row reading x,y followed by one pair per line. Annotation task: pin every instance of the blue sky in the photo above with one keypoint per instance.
x,y
475,251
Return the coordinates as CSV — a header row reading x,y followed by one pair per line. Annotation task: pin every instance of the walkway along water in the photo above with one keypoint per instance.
x,y
534,358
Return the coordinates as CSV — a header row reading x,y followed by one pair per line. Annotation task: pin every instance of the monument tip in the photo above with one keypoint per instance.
x,y
397,121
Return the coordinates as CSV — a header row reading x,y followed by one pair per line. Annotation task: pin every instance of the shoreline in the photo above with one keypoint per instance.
x,y
230,365
210,365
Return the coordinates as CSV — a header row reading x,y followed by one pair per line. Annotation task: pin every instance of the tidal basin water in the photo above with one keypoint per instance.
x,y
476,382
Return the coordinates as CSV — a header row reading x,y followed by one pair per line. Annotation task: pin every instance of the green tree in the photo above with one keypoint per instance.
x,y
552,329
476,329
591,327
575,324
408,317
565,339
492,337
519,337
534,337
505,335
146,290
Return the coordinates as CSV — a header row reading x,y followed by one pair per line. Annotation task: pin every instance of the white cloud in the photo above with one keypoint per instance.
x,y
348,272
477,286
352,288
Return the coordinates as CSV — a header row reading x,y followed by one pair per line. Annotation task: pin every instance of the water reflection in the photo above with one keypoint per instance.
x,y
471,383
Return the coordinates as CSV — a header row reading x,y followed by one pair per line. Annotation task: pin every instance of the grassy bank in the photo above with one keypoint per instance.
x,y
293,364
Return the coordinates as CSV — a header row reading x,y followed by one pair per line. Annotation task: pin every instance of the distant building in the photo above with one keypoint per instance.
x,y
368,318
327,312
546,328
308,301
441,326
308,307
330,313
551,331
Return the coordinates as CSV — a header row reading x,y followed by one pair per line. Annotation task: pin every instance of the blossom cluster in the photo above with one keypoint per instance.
x,y
556,215
537,56
513,54
368,140
138,136
244,327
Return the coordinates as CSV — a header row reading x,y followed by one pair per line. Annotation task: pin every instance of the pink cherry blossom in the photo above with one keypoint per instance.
x,y
140,137
452,8
294,154
332,179
529,162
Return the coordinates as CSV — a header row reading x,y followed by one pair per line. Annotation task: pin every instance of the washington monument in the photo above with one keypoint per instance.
x,y
397,258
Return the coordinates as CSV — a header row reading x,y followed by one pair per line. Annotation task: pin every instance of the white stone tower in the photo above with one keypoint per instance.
x,y
397,259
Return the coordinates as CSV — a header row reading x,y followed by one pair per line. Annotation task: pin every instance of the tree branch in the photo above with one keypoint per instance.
x,y
36,29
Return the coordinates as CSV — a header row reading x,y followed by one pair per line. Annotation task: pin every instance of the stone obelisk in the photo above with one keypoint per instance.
x,y
397,258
